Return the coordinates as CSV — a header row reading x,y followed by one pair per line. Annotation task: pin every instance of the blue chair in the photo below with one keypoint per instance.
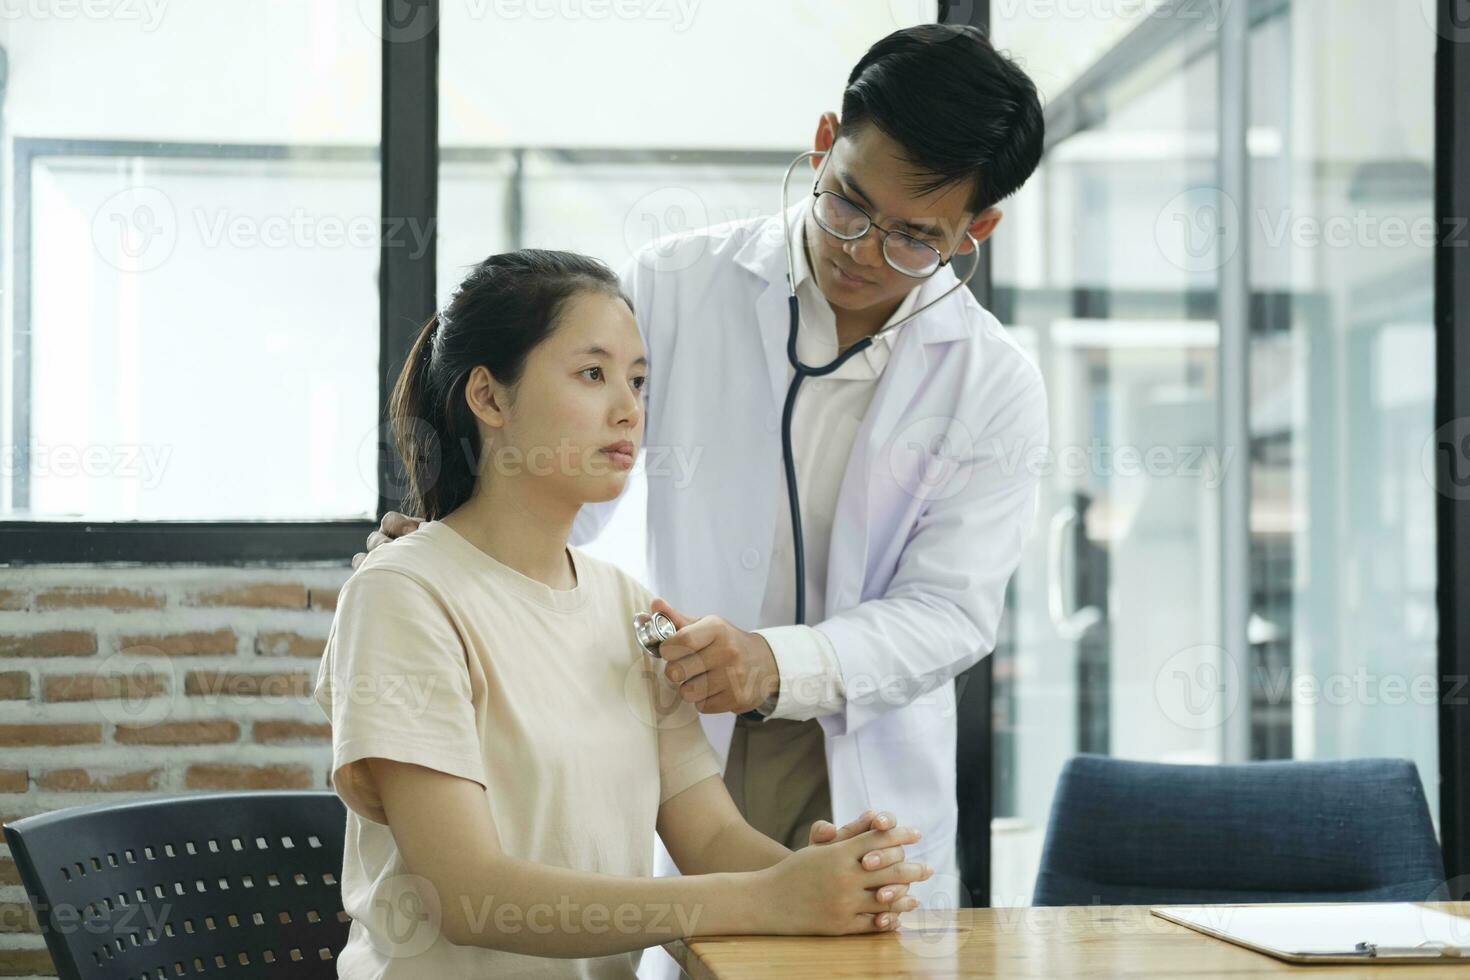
x,y
1140,833
229,884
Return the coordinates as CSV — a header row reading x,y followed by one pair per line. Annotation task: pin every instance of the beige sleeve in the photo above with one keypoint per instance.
x,y
395,685
684,754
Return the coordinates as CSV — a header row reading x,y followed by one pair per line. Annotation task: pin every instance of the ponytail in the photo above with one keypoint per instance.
x,y
419,416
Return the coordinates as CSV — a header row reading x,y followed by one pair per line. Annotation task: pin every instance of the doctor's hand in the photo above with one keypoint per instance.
x,y
393,525
717,666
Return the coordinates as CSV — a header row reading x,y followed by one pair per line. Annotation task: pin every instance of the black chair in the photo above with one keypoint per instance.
x,y
229,884
1140,833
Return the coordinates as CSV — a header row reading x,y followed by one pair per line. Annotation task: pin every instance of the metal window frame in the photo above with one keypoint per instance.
x,y
410,137
1233,405
1452,409
214,542
974,688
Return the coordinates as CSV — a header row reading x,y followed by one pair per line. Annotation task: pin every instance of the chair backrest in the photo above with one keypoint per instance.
x,y
1139,833
232,884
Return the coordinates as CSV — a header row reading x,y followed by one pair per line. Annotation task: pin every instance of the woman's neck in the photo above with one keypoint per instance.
x,y
519,530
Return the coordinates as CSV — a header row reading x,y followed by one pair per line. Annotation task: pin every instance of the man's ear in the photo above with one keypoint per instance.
x,y
981,228
826,136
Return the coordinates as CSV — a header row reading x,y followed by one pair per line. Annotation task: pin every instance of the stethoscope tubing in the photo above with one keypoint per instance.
x,y
651,630
804,371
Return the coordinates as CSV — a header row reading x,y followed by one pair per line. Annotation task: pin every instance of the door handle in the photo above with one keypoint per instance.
x,y
1069,624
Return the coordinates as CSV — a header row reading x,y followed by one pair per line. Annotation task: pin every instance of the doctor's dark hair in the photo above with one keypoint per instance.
x,y
506,306
960,108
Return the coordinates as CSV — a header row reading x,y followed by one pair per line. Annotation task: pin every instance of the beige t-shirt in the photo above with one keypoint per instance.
x,y
441,656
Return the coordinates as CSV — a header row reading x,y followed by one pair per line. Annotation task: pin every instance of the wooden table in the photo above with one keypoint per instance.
x,y
1086,941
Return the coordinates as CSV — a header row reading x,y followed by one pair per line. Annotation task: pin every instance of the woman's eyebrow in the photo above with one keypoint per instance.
x,y
918,226
603,352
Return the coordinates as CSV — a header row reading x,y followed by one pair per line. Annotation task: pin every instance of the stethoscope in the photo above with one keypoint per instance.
x,y
651,630
804,371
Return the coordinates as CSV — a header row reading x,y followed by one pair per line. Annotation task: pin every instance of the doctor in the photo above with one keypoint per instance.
x,y
911,459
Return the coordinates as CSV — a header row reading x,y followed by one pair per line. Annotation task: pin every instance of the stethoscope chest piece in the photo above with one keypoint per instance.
x,y
651,629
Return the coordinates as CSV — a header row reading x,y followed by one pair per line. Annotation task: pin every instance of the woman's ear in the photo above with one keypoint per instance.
x,y
485,396
826,136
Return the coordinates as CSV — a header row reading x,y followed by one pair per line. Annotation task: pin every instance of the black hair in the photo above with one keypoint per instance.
x,y
961,109
506,306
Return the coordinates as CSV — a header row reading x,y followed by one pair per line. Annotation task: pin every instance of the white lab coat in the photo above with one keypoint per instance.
x,y
936,500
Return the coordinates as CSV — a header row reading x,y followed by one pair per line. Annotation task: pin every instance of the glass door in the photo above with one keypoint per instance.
x,y
1109,268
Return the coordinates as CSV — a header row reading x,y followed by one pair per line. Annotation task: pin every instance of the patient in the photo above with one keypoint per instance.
x,y
505,748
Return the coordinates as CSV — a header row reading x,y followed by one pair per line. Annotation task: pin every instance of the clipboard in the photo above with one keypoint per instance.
x,y
1400,932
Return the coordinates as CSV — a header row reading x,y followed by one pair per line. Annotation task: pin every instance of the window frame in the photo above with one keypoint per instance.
x,y
40,541
1452,403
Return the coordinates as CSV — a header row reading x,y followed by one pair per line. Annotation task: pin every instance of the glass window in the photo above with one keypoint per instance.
x,y
192,332
1343,373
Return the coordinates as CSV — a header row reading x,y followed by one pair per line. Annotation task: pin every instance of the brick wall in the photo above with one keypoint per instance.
x,y
126,681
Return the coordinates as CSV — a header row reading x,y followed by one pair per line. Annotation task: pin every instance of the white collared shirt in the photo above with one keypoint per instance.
x,y
824,423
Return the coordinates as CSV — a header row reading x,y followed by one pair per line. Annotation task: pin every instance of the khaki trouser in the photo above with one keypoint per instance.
x,y
777,775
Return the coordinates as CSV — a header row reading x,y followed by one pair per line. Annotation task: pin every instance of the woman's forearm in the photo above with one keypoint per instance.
x,y
740,847
521,906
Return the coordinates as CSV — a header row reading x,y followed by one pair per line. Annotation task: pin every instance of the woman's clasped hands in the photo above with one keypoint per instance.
x,y
849,879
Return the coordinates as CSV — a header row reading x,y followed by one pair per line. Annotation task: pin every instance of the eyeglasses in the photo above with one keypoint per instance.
x,y
842,219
